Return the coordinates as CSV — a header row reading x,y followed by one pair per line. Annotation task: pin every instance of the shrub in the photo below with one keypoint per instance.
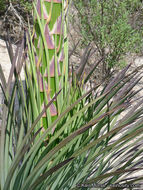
x,y
107,24
2,6
27,4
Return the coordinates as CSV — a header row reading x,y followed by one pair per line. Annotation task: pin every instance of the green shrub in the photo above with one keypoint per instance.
x,y
2,6
106,23
26,4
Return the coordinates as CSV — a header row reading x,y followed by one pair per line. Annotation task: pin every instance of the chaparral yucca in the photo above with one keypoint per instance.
x,y
87,143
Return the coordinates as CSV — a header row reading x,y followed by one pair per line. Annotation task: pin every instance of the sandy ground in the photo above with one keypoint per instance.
x,y
5,60
6,66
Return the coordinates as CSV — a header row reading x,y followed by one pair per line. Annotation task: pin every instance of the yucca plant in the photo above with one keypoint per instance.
x,y
89,144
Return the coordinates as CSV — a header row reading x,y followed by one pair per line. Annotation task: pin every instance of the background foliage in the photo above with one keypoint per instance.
x,y
108,25
27,4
